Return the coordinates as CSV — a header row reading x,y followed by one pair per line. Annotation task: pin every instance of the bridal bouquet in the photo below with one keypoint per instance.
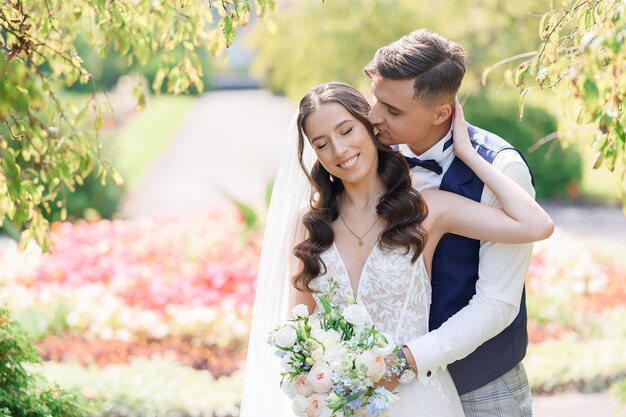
x,y
332,360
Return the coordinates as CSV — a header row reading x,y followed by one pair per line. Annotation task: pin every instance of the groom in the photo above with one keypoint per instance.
x,y
478,312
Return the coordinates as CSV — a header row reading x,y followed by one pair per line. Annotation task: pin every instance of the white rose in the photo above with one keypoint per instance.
x,y
333,354
356,314
328,338
321,378
317,354
300,310
285,363
299,405
303,386
285,337
374,363
289,388
317,406
314,322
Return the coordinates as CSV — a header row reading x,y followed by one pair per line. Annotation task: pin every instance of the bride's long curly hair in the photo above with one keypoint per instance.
x,y
402,208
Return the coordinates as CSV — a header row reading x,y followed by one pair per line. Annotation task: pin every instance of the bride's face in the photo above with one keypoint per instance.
x,y
342,143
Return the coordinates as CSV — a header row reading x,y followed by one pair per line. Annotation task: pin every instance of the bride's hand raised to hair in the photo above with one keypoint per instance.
x,y
462,145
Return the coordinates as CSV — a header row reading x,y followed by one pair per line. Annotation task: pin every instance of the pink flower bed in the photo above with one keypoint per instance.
x,y
152,263
163,276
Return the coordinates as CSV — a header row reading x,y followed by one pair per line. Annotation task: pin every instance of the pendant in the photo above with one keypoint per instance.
x,y
360,243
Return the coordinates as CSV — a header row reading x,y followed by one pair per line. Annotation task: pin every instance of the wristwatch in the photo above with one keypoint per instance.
x,y
407,374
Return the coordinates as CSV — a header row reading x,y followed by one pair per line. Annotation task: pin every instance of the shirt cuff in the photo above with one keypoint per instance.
x,y
428,356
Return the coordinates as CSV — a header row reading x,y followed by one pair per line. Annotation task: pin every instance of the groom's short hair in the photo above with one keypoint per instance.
x,y
436,63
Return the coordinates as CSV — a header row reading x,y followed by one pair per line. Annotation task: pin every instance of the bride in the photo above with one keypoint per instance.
x,y
362,224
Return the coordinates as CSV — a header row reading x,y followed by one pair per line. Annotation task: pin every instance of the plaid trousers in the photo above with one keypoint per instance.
x,y
506,396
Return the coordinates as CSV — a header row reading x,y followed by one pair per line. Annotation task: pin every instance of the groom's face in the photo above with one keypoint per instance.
x,y
399,117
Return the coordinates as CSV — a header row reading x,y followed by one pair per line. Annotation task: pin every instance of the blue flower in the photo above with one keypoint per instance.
x,y
339,389
355,404
381,390
377,403
280,353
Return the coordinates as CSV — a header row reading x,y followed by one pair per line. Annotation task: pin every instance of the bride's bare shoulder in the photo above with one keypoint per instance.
x,y
436,201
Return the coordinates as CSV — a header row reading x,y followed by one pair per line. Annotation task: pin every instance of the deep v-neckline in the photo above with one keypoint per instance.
x,y
353,291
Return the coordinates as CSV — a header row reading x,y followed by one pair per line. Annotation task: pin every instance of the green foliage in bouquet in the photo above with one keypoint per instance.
x,y
24,393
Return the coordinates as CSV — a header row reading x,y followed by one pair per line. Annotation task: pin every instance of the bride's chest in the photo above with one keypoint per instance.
x,y
385,276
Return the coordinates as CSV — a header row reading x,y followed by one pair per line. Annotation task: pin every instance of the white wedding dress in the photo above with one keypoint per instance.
x,y
397,295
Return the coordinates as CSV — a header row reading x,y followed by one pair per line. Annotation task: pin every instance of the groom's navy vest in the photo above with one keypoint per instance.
x,y
454,275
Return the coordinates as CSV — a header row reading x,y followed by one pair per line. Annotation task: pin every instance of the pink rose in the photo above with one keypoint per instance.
x,y
375,364
317,406
321,378
303,386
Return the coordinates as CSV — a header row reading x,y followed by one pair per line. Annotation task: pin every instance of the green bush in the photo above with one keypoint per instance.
x,y
553,167
91,196
24,393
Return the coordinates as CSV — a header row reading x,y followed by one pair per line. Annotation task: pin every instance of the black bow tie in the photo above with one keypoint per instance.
x,y
429,164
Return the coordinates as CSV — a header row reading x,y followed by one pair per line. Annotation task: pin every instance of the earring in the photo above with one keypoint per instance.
x,y
332,179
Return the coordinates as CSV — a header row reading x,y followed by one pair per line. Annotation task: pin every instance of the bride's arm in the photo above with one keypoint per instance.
x,y
520,220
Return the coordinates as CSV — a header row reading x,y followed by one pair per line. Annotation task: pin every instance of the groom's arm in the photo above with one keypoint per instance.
x,y
501,273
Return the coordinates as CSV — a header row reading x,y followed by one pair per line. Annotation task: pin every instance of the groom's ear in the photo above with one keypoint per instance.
x,y
442,113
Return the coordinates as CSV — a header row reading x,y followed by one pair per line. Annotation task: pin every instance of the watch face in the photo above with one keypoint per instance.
x,y
406,376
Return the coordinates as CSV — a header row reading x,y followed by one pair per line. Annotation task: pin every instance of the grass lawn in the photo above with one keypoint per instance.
x,y
141,140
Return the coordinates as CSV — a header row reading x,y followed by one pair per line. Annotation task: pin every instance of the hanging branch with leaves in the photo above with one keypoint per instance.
x,y
47,142
582,59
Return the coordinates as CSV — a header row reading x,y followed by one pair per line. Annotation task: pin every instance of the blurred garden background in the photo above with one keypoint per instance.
x,y
141,305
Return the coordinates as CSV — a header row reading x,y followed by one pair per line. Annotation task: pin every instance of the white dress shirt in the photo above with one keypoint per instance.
x,y
501,273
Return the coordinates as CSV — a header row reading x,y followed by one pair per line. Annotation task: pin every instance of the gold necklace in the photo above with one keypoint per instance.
x,y
359,238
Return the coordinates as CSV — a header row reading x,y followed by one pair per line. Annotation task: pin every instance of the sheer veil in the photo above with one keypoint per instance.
x,y
261,393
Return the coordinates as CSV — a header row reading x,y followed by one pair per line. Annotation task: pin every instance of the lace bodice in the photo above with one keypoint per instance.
x,y
395,292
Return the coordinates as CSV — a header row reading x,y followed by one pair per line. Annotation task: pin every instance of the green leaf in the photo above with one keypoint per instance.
x,y
521,74
250,217
81,115
140,96
522,101
269,188
229,29
542,74
99,121
590,94
117,177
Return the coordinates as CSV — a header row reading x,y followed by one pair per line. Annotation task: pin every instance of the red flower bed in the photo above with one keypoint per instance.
x,y
218,360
